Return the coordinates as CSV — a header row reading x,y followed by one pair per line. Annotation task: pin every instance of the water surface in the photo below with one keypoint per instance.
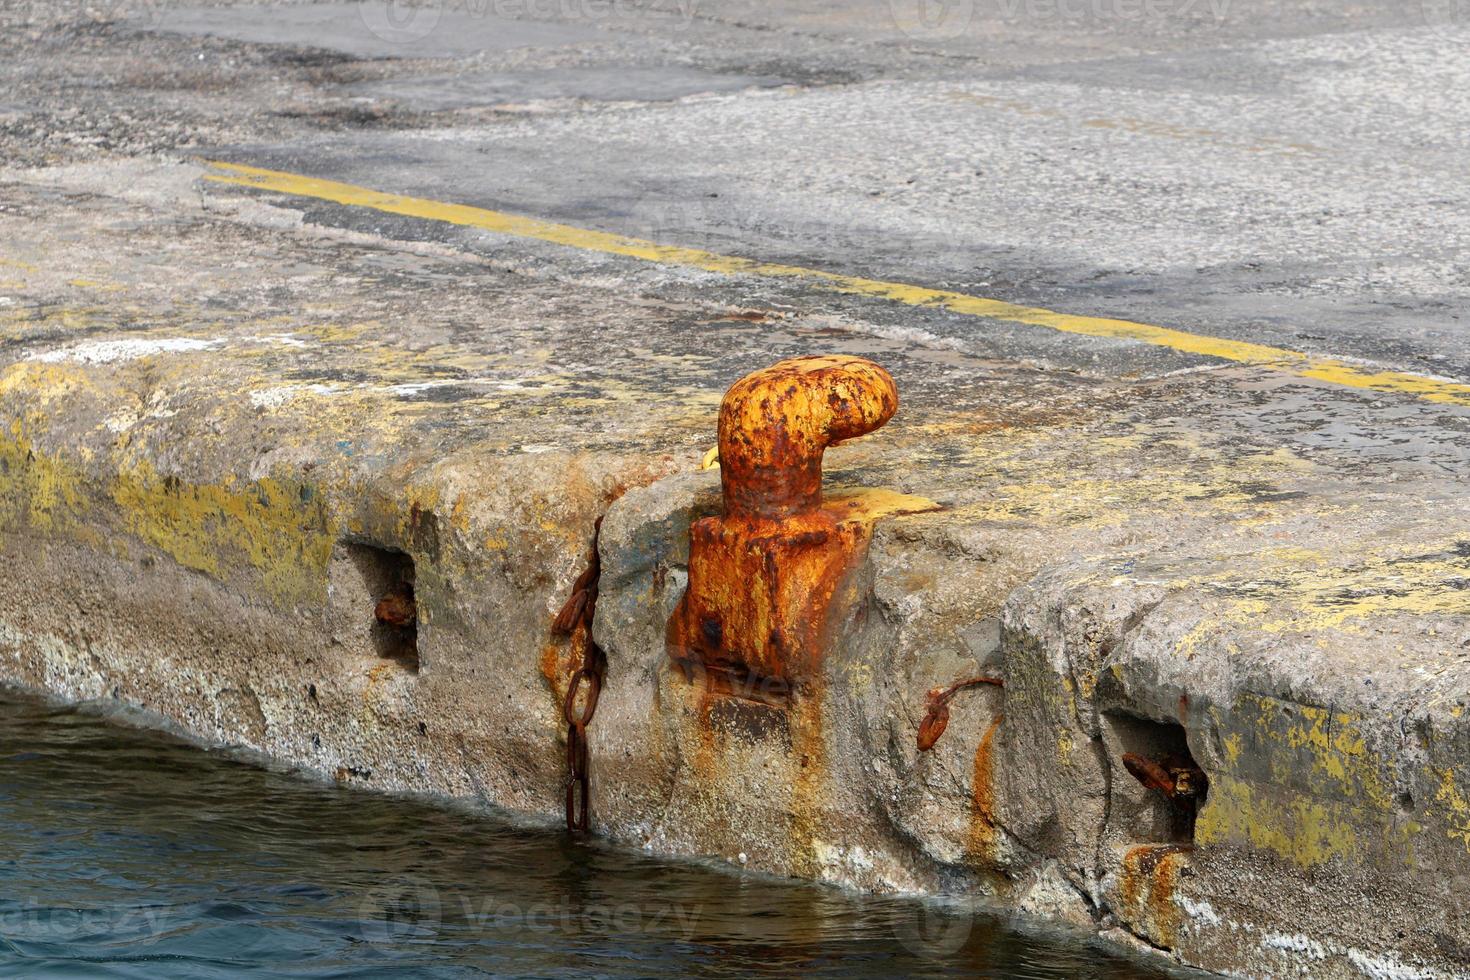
x,y
128,853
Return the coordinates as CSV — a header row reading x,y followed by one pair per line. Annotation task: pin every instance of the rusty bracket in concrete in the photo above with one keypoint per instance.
x,y
936,712
1177,778
763,575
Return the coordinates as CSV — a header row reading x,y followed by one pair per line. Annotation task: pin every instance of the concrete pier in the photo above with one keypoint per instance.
x,y
250,388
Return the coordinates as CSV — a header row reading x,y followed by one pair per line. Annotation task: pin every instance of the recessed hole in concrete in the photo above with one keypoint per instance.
x,y
1157,786
388,577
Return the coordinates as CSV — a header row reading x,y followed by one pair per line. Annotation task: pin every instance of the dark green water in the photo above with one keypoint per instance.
x,y
127,853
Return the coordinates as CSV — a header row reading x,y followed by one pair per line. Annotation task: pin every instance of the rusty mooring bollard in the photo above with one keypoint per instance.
x,y
762,576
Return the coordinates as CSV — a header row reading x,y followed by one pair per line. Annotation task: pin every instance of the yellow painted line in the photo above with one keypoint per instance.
x,y
1331,370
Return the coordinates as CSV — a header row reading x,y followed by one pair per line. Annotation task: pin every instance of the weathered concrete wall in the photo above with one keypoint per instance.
x,y
1332,837
1331,817
198,519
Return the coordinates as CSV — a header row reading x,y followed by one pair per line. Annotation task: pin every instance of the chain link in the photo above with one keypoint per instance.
x,y
585,685
579,784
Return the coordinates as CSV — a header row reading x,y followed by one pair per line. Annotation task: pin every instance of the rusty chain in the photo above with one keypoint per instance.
x,y
575,620
579,784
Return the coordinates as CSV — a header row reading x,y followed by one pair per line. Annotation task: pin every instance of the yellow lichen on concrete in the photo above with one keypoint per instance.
x,y
35,489
1043,480
1450,799
1318,593
281,530
1336,747
1307,832
1232,748
1320,753
1343,811
40,384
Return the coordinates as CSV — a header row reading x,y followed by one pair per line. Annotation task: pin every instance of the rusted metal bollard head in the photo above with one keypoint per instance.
x,y
775,425
763,576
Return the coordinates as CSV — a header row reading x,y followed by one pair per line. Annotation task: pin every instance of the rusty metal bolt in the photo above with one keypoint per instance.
x,y
1176,777
936,714
397,607
775,425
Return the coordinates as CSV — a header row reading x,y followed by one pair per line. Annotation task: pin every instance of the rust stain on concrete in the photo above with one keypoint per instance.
x,y
1146,883
984,831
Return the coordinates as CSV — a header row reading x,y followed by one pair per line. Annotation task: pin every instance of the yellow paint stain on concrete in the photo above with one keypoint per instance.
x,y
874,503
1330,370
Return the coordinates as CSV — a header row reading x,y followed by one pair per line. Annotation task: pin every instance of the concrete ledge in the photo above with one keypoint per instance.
x,y
202,497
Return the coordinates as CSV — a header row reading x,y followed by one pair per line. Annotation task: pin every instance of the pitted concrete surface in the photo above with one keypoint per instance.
x,y
229,416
